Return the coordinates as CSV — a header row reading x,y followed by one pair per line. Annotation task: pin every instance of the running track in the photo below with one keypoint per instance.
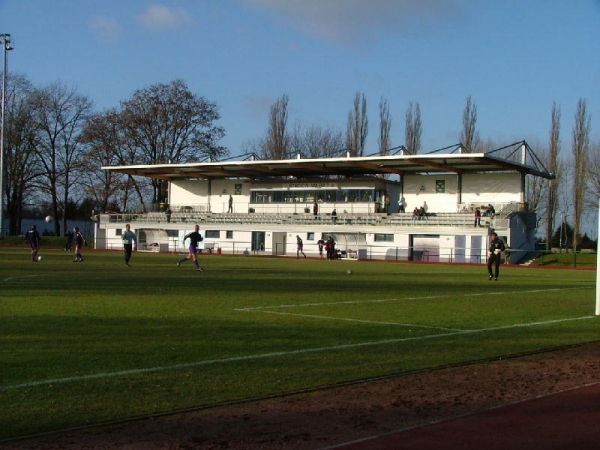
x,y
565,420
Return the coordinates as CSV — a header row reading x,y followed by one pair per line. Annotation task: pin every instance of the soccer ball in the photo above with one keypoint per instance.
x,y
349,271
48,219
40,258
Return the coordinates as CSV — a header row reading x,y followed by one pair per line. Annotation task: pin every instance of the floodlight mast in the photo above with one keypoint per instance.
x,y
6,47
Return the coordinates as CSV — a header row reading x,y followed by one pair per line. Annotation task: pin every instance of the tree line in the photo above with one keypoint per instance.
x,y
573,192
56,143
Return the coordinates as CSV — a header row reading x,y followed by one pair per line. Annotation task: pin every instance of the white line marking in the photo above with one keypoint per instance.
x,y
345,319
266,309
267,355
16,278
354,302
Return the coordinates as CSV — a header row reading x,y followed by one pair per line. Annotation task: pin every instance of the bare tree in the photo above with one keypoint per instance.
x,y
358,126
19,151
166,123
314,141
469,135
322,142
553,168
276,143
296,143
594,175
106,145
537,188
255,147
413,129
385,124
60,112
581,142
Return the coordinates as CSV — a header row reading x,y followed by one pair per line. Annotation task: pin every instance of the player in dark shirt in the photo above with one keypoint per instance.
x,y
495,253
33,239
79,242
195,238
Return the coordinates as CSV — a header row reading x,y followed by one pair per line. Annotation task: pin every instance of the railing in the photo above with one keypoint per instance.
x,y
392,220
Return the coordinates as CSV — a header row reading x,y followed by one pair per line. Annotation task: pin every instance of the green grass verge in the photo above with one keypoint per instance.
x,y
94,341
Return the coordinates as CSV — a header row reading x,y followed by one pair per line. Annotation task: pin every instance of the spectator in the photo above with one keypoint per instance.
x,y
299,247
415,213
330,248
401,207
68,240
321,245
477,217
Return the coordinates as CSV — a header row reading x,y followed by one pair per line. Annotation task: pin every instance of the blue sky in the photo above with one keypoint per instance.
x,y
514,57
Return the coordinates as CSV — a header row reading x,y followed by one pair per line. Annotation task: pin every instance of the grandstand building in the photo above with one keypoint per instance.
x,y
365,203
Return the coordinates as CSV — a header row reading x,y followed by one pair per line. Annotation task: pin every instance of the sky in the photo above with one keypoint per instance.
x,y
513,57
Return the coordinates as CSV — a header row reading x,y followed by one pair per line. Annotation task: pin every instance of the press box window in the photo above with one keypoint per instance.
x,y
384,238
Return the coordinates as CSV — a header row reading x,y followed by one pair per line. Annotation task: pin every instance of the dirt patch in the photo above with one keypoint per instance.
x,y
320,419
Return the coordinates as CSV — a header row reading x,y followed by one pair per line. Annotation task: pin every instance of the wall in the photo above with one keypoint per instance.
x,y
478,189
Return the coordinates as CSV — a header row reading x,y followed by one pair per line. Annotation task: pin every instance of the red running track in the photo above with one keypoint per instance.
x,y
565,420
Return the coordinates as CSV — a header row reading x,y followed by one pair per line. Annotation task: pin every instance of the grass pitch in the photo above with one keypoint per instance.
x,y
98,341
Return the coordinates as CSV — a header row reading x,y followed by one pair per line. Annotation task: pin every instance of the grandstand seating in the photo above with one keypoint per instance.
x,y
460,219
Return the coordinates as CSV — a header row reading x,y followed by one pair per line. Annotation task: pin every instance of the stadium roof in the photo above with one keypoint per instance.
x,y
350,166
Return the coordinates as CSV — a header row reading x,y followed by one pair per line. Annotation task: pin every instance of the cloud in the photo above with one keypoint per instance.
x,y
350,21
107,29
163,18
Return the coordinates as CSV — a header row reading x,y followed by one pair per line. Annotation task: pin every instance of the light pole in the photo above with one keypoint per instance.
x,y
6,46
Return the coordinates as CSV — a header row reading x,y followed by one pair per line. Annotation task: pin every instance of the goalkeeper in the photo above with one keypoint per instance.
x,y
495,253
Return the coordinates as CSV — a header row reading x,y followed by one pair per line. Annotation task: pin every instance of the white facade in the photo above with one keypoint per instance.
x,y
439,193
270,227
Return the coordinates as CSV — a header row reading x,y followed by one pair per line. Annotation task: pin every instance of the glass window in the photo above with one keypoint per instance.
x,y
277,197
344,196
384,238
214,234
229,234
289,196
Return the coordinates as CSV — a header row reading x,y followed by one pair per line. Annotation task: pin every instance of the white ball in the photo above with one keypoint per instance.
x,y
48,219
349,271
40,258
